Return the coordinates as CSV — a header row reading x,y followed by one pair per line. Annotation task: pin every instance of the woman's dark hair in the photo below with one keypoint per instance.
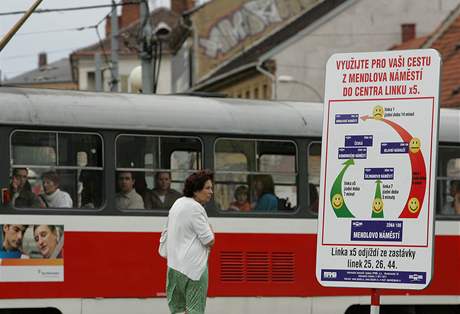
x,y
267,183
52,176
195,182
16,171
241,189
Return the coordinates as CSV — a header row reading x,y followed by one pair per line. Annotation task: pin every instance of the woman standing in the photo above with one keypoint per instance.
x,y
188,242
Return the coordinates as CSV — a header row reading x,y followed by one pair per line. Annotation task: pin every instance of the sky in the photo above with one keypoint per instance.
x,y
53,33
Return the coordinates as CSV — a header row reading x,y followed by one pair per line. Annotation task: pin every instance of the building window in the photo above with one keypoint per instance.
x,y
124,83
265,91
90,81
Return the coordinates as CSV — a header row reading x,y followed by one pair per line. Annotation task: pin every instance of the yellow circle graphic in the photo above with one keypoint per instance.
x,y
377,205
414,145
413,205
337,201
378,112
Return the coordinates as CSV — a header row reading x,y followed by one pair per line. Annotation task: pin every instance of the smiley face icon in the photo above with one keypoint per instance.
x,y
414,145
337,201
377,205
413,205
378,112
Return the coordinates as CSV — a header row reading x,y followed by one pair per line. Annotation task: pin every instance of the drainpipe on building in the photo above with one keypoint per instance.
x,y
271,77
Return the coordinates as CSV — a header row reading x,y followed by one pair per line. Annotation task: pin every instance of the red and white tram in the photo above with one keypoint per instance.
x,y
262,262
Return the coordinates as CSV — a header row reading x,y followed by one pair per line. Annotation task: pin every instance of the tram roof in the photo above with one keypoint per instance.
x,y
42,107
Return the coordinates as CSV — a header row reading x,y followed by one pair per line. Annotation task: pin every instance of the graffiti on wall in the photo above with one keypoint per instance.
x,y
250,19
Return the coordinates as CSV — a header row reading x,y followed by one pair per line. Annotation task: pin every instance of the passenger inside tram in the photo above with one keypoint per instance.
x,y
314,198
457,203
127,197
162,196
53,197
266,200
449,207
241,202
20,192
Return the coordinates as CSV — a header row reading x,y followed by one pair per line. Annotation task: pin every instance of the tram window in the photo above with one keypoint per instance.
x,y
30,148
282,168
314,166
135,151
181,164
72,163
448,198
158,166
83,150
255,175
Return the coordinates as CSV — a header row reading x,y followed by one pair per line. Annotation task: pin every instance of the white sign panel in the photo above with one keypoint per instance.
x,y
380,133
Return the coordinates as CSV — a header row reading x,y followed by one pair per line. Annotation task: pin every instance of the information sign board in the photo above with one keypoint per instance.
x,y
377,189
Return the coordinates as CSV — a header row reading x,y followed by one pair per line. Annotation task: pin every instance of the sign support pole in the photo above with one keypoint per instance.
x,y
375,301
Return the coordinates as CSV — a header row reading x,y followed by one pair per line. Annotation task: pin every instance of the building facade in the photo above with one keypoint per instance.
x,y
279,49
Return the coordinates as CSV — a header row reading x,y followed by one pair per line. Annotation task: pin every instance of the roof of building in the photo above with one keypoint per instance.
x,y
54,72
128,39
252,55
414,43
445,39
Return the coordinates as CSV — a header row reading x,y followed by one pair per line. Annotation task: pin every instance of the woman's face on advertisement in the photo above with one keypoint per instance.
x,y
46,240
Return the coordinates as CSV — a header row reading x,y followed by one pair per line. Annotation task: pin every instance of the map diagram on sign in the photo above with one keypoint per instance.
x,y
377,157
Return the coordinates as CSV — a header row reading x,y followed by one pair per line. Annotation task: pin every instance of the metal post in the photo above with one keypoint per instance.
x,y
146,49
18,25
375,302
98,72
114,40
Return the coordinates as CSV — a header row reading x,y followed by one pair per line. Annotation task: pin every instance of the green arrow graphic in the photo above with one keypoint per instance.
x,y
338,203
377,204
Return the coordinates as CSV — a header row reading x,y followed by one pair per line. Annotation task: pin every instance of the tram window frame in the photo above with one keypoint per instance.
x,y
253,170
160,163
312,206
62,170
444,179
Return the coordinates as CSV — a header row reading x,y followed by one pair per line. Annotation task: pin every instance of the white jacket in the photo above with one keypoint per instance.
x,y
58,199
188,233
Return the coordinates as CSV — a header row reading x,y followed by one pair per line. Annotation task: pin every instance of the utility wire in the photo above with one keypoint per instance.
x,y
59,30
101,45
27,56
70,9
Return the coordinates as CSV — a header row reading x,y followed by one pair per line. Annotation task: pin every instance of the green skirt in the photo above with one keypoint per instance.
x,y
185,294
